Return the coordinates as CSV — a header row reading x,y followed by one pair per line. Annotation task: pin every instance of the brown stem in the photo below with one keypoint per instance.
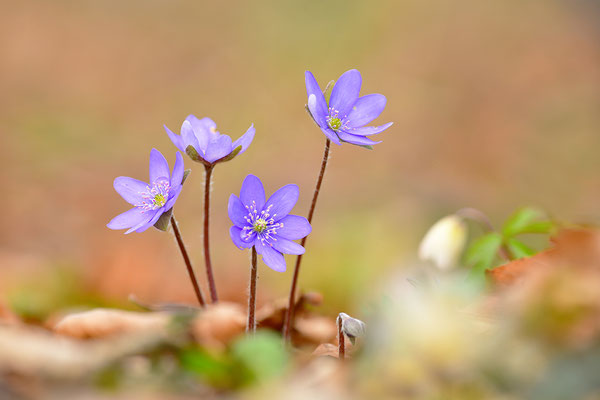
x,y
289,314
209,273
251,326
341,340
188,263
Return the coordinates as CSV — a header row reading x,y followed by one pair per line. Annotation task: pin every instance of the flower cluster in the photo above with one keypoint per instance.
x,y
263,225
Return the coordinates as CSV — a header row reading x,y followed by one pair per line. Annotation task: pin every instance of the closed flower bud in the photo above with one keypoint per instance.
x,y
444,243
352,327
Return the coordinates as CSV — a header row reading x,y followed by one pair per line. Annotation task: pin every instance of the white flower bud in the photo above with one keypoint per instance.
x,y
444,243
352,327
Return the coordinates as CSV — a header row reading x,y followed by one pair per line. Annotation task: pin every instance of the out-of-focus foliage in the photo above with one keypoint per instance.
x,y
535,333
486,251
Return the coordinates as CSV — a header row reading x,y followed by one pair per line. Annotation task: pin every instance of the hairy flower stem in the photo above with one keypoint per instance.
x,y
289,314
341,339
209,272
478,216
188,263
251,326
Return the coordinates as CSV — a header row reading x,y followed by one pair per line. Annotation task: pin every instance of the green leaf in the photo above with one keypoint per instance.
x,y
518,249
539,227
366,146
263,355
217,370
526,220
482,253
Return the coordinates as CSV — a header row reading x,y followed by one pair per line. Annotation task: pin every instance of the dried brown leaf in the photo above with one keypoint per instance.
x,y
105,322
326,349
314,330
218,324
579,248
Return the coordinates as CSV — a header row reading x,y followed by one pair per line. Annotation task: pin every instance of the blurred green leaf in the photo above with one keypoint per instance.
x,y
526,220
482,253
218,371
518,249
263,355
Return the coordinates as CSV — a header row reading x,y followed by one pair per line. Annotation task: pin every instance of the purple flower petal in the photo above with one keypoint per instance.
x,y
355,139
294,227
159,168
244,140
177,175
128,219
345,92
237,212
150,223
253,191
173,195
320,117
248,237
130,189
331,135
366,109
287,246
218,148
204,123
191,139
312,89
202,129
282,201
235,234
176,139
149,216
271,257
368,130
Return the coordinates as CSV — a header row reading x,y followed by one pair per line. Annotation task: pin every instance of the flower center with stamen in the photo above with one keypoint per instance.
x,y
155,196
335,123
260,225
159,200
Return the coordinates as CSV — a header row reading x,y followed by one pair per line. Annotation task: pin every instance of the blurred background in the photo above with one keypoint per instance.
x,y
495,105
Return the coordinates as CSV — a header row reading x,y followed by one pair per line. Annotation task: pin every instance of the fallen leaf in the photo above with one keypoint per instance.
x,y
312,330
218,324
36,352
579,248
101,323
326,349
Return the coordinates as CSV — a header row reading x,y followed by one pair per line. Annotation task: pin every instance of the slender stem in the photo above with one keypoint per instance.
x,y
188,263
289,314
341,340
251,326
478,216
209,272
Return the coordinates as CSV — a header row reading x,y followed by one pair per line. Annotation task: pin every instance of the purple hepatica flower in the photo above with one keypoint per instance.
x,y
209,145
347,114
267,225
152,200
